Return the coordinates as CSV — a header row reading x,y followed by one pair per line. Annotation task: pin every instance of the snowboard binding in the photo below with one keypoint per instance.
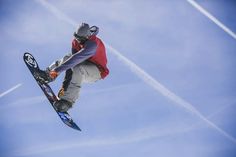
x,y
42,76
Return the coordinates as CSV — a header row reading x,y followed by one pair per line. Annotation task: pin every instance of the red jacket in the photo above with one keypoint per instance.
x,y
99,58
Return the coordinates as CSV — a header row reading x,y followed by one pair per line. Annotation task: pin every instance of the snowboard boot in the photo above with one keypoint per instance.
x,y
43,76
62,105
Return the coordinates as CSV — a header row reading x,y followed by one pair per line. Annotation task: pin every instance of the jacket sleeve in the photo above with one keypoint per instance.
x,y
88,51
59,62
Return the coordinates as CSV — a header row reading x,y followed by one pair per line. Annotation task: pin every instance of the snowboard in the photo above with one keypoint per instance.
x,y
34,68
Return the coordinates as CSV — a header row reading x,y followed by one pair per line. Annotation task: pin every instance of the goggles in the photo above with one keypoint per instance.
x,y
80,38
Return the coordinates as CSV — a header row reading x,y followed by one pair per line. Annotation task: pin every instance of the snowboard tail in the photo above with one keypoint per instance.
x,y
34,69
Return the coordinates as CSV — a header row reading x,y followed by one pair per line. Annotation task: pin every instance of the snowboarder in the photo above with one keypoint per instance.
x,y
86,63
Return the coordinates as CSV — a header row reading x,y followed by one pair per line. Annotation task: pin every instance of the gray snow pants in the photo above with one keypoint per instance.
x,y
85,72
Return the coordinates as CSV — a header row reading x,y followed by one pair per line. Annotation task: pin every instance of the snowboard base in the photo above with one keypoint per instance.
x,y
34,68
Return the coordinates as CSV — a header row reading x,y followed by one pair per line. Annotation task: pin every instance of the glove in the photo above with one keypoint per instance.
x,y
53,74
61,92
46,76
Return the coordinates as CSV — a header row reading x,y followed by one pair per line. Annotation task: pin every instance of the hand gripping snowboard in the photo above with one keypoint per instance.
x,y
34,68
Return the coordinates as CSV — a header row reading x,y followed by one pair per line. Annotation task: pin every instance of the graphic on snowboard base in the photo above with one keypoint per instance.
x,y
34,68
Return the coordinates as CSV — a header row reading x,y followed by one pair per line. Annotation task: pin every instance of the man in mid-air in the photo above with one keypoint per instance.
x,y
86,63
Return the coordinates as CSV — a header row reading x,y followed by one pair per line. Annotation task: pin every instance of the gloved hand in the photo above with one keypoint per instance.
x,y
61,92
46,76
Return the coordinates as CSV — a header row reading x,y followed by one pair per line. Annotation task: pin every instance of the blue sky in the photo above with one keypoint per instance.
x,y
171,89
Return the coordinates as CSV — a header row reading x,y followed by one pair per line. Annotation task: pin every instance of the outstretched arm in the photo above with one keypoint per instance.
x,y
85,53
